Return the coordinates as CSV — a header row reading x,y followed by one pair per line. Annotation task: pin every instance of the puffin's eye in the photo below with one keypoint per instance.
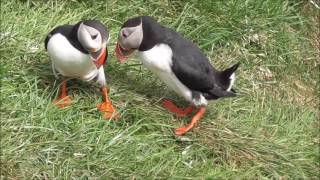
x,y
124,34
94,36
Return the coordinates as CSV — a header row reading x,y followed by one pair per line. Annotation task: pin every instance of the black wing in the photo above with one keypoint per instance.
x,y
193,69
190,65
195,75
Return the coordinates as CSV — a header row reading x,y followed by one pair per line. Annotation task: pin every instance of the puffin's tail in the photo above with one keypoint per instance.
x,y
228,77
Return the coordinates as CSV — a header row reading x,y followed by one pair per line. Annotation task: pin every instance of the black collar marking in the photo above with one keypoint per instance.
x,y
153,33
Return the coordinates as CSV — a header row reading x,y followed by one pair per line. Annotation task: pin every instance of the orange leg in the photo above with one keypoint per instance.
x,y
63,100
177,111
106,107
184,129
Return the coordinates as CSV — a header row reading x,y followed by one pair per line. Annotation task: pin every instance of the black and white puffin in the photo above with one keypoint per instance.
x,y
178,63
80,51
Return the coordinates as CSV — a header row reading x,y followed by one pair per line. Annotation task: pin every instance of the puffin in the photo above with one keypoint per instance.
x,y
79,51
179,63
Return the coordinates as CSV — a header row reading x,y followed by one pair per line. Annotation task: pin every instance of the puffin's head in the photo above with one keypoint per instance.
x,y
129,39
92,35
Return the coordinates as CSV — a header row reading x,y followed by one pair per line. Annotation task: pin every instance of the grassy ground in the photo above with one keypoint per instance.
x,y
271,130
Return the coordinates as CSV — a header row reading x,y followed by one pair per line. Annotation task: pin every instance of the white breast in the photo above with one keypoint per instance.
x,y
69,61
159,61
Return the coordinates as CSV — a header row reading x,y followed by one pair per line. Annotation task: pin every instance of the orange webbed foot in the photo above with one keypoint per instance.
x,y
182,130
63,102
195,119
108,110
106,107
175,110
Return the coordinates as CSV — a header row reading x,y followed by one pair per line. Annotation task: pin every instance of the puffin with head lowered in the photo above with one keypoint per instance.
x,y
178,63
80,51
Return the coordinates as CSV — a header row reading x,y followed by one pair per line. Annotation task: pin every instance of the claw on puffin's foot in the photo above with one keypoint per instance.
x,y
109,112
184,129
63,102
175,110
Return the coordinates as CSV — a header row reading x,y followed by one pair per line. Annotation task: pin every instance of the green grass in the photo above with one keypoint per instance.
x,y
271,130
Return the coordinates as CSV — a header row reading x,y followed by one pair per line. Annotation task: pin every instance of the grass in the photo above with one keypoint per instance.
x,y
271,130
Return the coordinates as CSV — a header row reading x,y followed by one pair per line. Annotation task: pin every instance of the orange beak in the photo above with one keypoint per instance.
x,y
122,54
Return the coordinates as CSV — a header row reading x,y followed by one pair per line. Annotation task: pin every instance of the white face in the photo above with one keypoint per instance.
x,y
90,38
129,39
